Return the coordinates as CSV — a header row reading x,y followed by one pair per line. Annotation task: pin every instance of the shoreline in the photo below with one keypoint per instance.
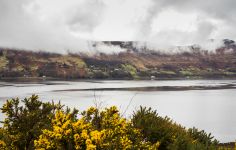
x,y
29,79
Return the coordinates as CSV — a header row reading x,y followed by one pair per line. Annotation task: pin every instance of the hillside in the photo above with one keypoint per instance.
x,y
130,64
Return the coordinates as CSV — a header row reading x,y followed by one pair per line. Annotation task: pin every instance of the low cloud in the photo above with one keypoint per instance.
x,y
59,25
214,20
86,16
25,24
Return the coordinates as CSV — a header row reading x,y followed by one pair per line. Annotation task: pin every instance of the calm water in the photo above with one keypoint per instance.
x,y
211,110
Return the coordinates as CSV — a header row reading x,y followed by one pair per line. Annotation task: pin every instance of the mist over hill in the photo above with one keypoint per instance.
x,y
210,45
122,60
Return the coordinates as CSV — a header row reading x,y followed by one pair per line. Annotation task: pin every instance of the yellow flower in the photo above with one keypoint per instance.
x,y
2,144
76,137
66,124
57,129
68,132
126,143
91,110
84,134
114,132
89,145
95,136
58,136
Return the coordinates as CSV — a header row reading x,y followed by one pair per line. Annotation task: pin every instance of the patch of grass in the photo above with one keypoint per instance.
x,y
3,62
130,69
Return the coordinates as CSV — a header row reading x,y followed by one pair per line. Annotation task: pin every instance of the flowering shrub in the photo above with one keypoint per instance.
x,y
34,124
94,130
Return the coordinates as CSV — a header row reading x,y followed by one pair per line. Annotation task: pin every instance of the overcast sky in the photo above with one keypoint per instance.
x,y
60,25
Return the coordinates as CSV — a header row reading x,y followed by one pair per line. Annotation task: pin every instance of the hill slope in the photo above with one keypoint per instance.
x,y
123,65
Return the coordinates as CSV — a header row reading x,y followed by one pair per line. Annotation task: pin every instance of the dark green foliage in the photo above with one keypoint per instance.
x,y
25,123
202,136
154,127
171,135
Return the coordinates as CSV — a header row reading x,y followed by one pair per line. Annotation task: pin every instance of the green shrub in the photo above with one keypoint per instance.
x,y
130,69
23,124
171,135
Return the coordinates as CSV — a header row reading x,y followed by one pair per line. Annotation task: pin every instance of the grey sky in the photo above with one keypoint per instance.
x,y
61,25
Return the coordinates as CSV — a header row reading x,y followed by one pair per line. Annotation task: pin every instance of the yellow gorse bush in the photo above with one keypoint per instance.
x,y
96,129
39,125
